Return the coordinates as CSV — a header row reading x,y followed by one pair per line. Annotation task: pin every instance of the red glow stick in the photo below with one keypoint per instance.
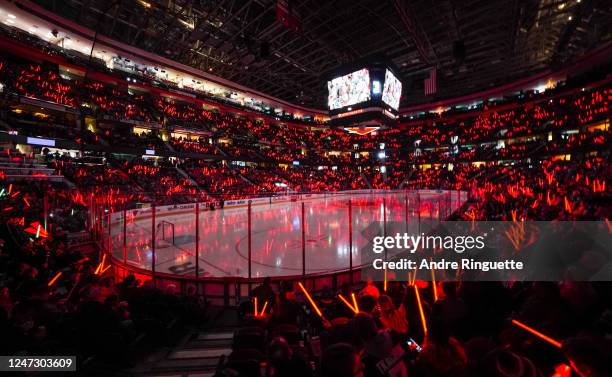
x,y
314,305
52,281
355,302
101,265
433,284
347,303
263,309
421,312
385,281
537,333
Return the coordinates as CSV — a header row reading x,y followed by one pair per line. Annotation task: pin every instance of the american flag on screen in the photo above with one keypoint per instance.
x,y
431,84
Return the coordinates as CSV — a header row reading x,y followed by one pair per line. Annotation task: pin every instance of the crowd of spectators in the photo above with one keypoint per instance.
x,y
467,332
58,297
507,145
545,190
199,145
521,129
58,300
539,158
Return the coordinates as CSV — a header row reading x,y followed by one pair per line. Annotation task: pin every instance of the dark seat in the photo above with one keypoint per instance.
x,y
290,332
246,362
249,337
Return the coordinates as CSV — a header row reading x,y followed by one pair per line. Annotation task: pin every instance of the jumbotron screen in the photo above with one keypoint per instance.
x,y
349,89
392,90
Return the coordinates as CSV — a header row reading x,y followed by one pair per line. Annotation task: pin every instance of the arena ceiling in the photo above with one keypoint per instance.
x,y
476,44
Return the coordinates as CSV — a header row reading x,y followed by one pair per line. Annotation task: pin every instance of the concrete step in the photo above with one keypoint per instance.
x,y
213,343
215,335
185,374
200,353
178,366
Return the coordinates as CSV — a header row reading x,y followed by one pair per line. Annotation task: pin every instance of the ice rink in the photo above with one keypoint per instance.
x,y
278,233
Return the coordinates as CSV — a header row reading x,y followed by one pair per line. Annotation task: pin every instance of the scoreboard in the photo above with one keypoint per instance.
x,y
364,93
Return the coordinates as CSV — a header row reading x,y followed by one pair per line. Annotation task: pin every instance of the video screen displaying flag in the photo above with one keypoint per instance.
x,y
392,90
349,89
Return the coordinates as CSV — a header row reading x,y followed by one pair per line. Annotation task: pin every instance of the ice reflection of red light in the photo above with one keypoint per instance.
x,y
276,242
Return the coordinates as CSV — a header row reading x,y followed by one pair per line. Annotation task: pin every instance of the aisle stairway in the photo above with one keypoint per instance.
x,y
366,180
199,353
169,146
5,126
18,169
190,178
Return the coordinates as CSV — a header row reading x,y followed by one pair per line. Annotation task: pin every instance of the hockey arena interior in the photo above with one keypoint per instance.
x,y
190,188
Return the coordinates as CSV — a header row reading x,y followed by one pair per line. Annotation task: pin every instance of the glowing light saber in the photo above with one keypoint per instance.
x,y
421,312
314,305
347,303
385,282
537,333
434,285
263,309
412,277
101,265
52,281
355,302
255,307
